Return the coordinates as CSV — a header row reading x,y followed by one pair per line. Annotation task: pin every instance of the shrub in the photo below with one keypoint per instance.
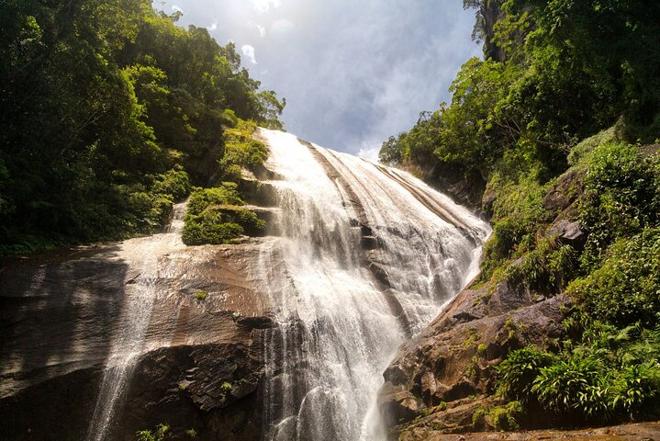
x,y
622,196
519,370
544,269
517,214
218,225
225,194
159,434
215,216
577,383
625,288
174,183
209,230
242,150
635,387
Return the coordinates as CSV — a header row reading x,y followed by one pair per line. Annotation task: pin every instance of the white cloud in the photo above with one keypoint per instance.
x,y
213,26
281,25
265,5
350,79
176,8
260,29
248,51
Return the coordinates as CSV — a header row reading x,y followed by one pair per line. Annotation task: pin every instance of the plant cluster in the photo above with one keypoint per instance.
x,y
216,216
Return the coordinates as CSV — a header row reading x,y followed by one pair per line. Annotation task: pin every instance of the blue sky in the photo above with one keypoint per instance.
x,y
353,71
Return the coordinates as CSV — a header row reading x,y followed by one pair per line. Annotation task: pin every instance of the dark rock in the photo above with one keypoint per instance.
x,y
464,188
258,193
567,232
453,358
257,322
369,242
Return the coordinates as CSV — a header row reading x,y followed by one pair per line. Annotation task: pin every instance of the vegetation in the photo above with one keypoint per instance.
x,y
110,112
201,295
566,100
160,433
215,216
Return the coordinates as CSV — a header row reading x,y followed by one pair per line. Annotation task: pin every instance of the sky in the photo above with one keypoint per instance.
x,y
353,72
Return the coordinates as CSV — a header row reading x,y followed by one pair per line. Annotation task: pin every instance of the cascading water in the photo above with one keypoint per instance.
x,y
370,254
142,255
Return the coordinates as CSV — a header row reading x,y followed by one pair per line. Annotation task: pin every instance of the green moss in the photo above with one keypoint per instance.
x,y
201,295
481,349
505,417
471,339
479,418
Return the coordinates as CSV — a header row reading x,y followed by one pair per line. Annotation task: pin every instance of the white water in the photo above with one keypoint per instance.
x,y
141,254
338,327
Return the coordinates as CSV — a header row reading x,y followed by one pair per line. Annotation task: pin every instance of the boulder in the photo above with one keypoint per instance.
x,y
453,358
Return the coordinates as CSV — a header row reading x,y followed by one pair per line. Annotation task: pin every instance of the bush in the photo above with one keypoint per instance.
x,y
174,183
624,290
576,384
611,374
545,269
517,214
622,196
519,370
201,199
242,150
159,434
215,217
209,230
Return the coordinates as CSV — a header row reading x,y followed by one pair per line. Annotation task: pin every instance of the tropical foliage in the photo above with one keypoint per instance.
x,y
110,111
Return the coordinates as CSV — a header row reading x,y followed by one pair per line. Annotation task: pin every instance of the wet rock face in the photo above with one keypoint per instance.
x,y
465,190
202,363
213,389
451,362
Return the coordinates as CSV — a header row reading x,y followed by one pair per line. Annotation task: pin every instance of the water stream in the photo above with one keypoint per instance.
x,y
142,255
370,256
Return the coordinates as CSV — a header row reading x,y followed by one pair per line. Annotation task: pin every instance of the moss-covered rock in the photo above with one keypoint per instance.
x,y
216,216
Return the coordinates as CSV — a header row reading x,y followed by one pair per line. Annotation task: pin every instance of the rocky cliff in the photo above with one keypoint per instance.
x,y
202,364
445,376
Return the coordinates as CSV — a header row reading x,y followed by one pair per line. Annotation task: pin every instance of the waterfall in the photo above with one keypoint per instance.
x,y
370,255
142,255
